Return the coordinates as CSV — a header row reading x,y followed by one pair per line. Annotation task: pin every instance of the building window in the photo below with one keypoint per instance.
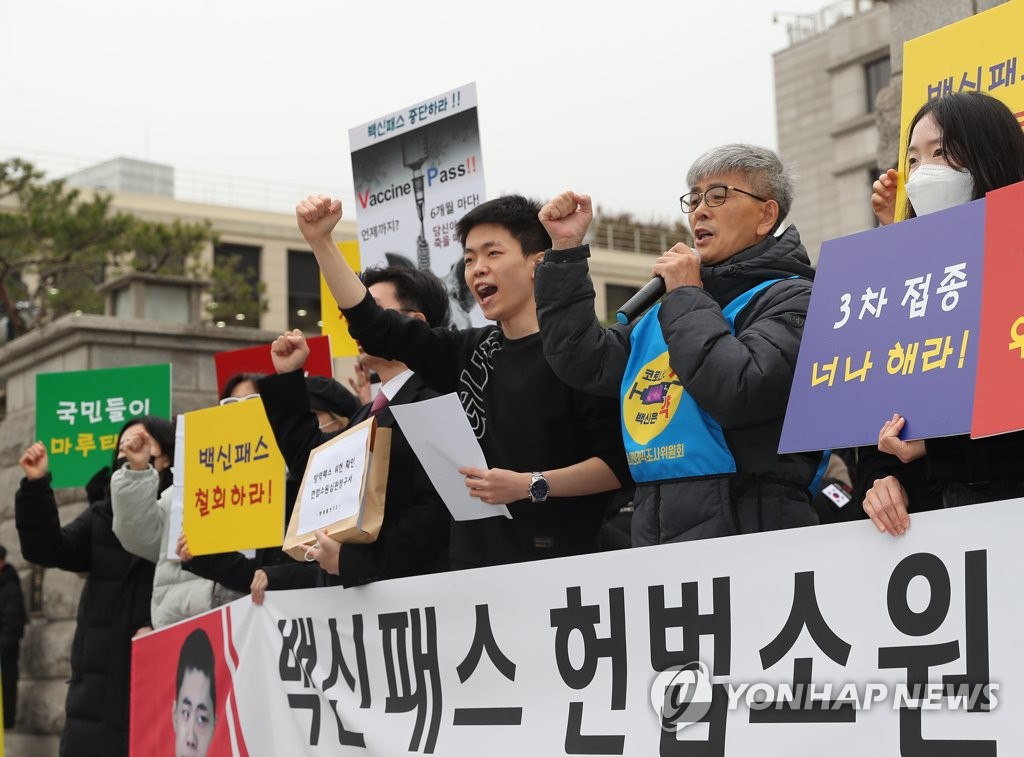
x,y
877,75
236,289
303,292
615,295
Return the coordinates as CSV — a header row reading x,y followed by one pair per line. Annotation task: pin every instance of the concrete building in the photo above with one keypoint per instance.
x,y
826,84
126,175
910,19
837,100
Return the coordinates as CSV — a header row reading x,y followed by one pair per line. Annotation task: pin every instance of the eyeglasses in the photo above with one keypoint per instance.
x,y
232,400
712,196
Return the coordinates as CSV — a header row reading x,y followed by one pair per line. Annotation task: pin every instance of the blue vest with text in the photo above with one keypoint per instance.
x,y
667,434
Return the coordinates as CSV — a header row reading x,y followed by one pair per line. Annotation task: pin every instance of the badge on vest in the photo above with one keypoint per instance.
x,y
649,404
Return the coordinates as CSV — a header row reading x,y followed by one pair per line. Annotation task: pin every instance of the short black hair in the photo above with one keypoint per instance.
x,y
979,134
197,654
515,213
415,289
238,378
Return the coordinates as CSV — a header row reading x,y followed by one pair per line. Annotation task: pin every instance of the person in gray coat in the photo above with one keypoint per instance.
x,y
142,523
703,377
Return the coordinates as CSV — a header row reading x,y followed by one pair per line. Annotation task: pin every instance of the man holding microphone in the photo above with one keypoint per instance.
x,y
704,377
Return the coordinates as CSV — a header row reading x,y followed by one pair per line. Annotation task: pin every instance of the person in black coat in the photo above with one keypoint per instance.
x,y
114,604
12,626
960,147
413,539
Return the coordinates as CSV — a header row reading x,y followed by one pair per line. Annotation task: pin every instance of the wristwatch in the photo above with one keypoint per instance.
x,y
539,488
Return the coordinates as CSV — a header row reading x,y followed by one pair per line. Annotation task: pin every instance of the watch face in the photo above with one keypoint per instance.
x,y
539,490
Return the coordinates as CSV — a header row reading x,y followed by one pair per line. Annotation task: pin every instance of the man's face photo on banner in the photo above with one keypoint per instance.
x,y
194,716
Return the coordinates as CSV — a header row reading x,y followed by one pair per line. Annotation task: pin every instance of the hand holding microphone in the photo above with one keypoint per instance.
x,y
649,293
679,266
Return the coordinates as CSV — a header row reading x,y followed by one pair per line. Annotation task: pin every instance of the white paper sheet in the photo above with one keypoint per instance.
x,y
439,433
334,477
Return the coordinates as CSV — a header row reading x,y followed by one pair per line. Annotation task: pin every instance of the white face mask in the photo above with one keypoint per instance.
x,y
935,187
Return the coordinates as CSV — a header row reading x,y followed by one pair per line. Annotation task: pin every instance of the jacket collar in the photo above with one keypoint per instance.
x,y
773,258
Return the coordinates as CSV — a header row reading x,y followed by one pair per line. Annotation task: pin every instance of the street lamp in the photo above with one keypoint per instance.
x,y
414,154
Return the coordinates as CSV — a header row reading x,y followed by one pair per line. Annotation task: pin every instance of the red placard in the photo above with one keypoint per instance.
x,y
156,726
257,360
998,398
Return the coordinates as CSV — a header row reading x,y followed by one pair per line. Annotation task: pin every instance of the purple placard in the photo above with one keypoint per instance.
x,y
943,252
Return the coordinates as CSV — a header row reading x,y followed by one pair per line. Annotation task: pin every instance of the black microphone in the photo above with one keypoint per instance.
x,y
651,292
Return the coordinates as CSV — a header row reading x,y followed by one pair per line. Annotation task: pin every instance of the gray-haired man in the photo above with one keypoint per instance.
x,y
704,376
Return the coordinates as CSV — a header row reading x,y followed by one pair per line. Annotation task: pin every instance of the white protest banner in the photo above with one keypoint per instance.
x,y
416,172
853,638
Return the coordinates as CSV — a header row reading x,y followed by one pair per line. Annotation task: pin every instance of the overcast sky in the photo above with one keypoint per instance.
x,y
610,98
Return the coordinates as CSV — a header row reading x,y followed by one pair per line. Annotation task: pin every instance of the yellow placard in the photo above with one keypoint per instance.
x,y
979,53
234,490
334,324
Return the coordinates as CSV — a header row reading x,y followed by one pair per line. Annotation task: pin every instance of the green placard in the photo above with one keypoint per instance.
x,y
79,414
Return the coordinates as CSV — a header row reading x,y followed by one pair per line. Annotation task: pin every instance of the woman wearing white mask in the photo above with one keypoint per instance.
x,y
961,146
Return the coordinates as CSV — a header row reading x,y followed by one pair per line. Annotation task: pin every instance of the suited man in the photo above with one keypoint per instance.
x,y
414,535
